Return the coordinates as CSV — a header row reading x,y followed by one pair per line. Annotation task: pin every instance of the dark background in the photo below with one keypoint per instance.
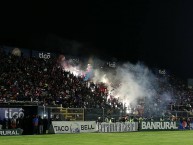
x,y
158,33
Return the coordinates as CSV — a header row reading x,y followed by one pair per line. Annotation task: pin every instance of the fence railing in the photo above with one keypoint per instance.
x,y
94,114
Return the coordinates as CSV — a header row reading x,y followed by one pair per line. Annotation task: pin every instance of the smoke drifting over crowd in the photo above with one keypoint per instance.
x,y
129,83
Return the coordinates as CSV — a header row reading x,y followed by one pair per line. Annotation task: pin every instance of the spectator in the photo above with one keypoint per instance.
x,y
40,124
35,124
45,125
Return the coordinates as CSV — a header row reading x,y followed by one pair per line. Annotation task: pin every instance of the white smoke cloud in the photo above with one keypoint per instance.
x,y
130,82
136,82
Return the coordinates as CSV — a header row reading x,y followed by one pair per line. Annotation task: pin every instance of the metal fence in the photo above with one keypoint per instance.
x,y
94,114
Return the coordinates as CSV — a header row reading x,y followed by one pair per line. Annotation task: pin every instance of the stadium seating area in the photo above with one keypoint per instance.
x,y
45,81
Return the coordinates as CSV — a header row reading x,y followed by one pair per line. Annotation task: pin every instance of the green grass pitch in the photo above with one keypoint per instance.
x,y
130,138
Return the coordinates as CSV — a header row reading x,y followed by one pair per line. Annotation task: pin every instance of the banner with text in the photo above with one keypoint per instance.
x,y
159,125
118,127
43,54
73,126
191,126
9,132
6,113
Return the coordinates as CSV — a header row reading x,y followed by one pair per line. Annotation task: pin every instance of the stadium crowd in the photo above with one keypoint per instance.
x,y
45,81
30,79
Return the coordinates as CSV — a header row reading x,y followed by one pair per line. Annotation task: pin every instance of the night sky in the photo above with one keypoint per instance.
x,y
158,33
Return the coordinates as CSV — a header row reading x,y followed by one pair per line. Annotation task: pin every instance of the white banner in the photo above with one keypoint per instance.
x,y
74,126
118,127
191,126
158,125
7,132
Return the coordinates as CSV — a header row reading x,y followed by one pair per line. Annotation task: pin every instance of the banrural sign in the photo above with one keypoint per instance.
x,y
158,126
10,132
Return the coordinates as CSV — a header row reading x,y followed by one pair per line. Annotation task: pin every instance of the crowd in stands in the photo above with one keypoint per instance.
x,y
46,82
183,95
176,97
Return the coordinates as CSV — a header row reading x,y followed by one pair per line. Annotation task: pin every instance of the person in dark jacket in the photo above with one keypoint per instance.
x,y
45,125
40,124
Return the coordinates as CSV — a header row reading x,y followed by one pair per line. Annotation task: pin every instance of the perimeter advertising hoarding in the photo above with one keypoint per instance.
x,y
191,126
6,113
9,112
10,132
159,125
118,127
60,127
